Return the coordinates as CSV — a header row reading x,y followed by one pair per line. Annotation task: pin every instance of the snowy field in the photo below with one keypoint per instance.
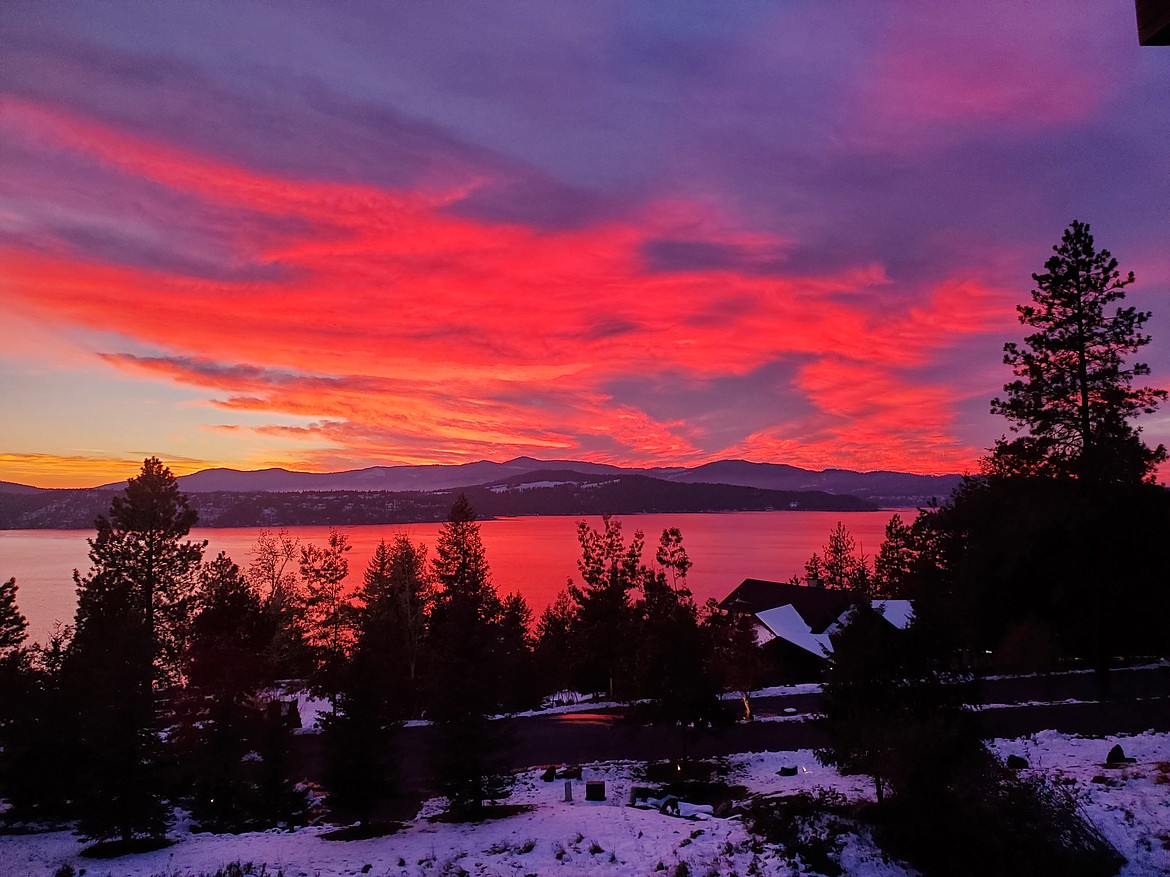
x,y
1130,804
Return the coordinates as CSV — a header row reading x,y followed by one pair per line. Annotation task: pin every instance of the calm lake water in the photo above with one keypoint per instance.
x,y
532,555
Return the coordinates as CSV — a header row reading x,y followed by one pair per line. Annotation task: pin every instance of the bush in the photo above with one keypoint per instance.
x,y
807,826
997,823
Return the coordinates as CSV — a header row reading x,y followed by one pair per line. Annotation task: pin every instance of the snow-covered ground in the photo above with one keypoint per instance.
x,y
1130,804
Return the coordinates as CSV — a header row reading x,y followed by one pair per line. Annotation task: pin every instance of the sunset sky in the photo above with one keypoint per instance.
x,y
328,235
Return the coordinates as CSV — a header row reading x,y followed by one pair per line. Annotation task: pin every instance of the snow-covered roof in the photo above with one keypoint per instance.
x,y
785,622
897,612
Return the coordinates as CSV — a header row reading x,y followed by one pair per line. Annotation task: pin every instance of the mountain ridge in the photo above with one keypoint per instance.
x,y
541,492
884,487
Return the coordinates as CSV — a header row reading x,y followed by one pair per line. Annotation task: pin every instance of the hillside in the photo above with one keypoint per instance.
x,y
557,492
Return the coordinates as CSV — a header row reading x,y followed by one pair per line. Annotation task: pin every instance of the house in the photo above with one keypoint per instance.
x,y
794,623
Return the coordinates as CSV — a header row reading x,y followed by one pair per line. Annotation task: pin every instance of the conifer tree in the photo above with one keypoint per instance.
x,y
14,672
328,610
604,622
132,621
38,741
553,647
227,671
464,670
380,686
894,564
670,660
518,680
13,625
393,613
1074,394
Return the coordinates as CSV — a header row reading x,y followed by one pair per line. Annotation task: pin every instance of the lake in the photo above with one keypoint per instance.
x,y
532,555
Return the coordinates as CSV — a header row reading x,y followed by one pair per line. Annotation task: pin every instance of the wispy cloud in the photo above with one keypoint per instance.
x,y
783,234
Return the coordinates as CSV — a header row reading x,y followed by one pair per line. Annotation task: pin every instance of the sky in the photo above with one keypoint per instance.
x,y
327,236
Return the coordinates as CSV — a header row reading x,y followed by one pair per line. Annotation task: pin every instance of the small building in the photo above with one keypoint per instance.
x,y
794,623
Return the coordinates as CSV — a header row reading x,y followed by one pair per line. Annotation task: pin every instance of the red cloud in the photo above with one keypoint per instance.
x,y
409,333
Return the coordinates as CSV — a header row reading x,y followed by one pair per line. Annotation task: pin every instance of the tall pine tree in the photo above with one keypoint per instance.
x,y
132,622
380,686
464,666
1074,394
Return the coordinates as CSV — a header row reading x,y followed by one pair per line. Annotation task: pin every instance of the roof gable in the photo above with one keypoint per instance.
x,y
817,607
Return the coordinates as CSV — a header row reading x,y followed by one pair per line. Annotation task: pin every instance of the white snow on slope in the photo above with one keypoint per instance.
x,y
1131,805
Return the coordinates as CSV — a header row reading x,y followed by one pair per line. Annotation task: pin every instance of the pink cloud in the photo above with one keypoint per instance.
x,y
408,333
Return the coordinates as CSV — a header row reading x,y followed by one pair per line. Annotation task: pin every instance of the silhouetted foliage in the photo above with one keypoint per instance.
x,y
13,625
735,661
519,690
379,688
895,563
328,611
228,633
221,716
986,819
391,619
1074,394
132,621
38,734
604,620
891,711
553,650
463,666
839,565
273,575
1076,559
670,663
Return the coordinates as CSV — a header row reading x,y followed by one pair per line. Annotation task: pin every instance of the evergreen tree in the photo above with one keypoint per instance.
x,y
602,641
227,671
228,632
328,611
670,661
14,673
891,712
517,672
132,621
894,564
553,650
463,664
380,686
840,560
38,741
814,572
1074,394
394,610
13,625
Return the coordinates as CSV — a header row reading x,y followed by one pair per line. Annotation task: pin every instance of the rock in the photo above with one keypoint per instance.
x,y
787,771
570,773
1017,762
669,806
550,773
1117,756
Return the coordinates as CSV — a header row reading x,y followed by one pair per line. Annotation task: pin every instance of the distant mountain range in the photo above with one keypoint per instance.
x,y
523,486
883,488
